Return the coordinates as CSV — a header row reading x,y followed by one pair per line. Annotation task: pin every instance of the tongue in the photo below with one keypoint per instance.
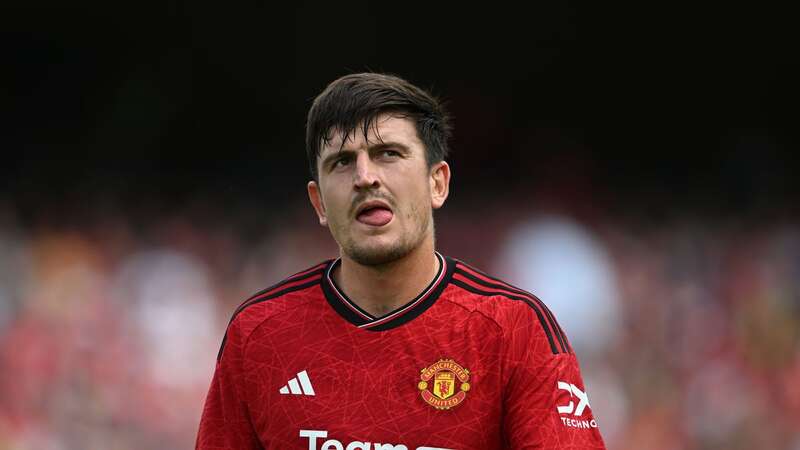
x,y
376,217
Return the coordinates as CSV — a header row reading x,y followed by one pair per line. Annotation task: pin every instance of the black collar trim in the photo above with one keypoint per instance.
x,y
362,319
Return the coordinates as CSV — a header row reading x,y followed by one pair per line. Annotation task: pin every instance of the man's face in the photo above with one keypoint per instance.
x,y
376,195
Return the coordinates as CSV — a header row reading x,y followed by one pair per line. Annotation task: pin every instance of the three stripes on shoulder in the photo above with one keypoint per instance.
x,y
303,387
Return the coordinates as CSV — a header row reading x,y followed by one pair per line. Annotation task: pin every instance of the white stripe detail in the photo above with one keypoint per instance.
x,y
374,321
294,387
340,295
284,390
420,299
306,383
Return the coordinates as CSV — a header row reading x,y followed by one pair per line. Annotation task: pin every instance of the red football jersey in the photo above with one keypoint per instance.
x,y
470,363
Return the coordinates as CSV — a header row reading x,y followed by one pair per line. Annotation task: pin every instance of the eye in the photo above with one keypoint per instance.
x,y
390,153
340,162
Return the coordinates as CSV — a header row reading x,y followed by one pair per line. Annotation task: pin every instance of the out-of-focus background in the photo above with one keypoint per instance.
x,y
632,166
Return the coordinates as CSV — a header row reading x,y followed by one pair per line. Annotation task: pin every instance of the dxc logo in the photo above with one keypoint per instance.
x,y
583,400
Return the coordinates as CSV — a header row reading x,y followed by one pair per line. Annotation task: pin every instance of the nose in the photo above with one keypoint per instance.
x,y
365,175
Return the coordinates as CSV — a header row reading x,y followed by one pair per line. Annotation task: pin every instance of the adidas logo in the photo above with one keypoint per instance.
x,y
294,387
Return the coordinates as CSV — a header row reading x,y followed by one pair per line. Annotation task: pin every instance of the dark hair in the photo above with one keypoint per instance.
x,y
357,99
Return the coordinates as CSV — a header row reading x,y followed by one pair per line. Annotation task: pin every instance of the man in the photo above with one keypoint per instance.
x,y
392,345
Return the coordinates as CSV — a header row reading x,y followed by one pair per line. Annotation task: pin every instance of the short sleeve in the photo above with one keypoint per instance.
x,y
545,401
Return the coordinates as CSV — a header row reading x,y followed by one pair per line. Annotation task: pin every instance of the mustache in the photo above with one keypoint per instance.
x,y
363,197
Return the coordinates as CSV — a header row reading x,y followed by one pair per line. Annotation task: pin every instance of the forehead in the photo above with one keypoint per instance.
x,y
386,128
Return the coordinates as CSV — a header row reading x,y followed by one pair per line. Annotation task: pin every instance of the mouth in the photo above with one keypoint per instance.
x,y
375,213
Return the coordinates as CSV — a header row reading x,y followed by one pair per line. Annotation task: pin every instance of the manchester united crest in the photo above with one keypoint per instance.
x,y
444,384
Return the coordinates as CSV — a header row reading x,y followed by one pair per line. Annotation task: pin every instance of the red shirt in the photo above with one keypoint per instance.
x,y
470,363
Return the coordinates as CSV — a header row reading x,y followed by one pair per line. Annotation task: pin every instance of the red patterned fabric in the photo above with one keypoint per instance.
x,y
472,363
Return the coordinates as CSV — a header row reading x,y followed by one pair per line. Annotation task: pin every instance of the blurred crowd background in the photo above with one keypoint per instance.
x,y
637,175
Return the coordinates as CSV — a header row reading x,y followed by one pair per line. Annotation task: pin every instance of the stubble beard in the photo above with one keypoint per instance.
x,y
377,255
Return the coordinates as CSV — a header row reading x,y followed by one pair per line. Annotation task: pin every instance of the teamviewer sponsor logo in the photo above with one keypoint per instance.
x,y
333,444
573,410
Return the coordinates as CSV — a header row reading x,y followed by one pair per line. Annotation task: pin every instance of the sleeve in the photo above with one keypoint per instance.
x,y
225,423
545,400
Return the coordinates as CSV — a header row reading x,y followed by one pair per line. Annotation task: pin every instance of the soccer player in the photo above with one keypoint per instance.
x,y
392,345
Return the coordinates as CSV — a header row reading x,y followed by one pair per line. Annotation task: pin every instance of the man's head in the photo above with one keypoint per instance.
x,y
355,100
376,145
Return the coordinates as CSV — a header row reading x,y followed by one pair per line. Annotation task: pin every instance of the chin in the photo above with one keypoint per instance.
x,y
376,255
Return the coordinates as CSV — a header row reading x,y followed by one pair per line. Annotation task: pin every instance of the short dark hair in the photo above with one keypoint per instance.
x,y
359,98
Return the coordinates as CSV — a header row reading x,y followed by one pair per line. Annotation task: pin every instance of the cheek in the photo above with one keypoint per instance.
x,y
334,205
420,200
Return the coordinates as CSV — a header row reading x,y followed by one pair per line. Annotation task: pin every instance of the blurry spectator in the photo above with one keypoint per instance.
x,y
692,325
567,267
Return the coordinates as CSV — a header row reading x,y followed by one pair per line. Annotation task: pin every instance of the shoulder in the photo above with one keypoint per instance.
x,y
511,307
300,281
278,298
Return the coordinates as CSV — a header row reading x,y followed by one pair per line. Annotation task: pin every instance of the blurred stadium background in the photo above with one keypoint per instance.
x,y
632,167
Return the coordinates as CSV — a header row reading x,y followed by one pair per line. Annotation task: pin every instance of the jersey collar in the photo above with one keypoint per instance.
x,y
405,313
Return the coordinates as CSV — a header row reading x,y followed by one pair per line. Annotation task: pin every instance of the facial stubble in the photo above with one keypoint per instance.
x,y
377,255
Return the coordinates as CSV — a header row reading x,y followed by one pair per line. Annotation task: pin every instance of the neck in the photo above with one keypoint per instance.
x,y
381,289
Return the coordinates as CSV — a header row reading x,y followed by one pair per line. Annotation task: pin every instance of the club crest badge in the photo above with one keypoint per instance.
x,y
444,384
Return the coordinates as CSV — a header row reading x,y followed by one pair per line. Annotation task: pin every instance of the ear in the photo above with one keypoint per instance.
x,y
315,196
440,183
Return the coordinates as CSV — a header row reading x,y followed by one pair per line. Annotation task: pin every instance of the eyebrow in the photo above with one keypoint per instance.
x,y
372,148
